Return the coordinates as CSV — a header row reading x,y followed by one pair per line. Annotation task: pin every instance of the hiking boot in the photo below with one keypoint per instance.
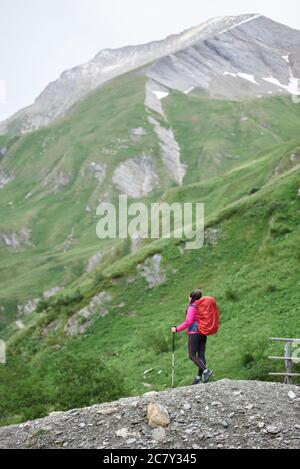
x,y
197,380
206,375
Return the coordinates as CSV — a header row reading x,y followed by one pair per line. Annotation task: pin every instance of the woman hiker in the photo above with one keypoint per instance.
x,y
196,341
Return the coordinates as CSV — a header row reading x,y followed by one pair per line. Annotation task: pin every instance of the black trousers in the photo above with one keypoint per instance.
x,y
197,345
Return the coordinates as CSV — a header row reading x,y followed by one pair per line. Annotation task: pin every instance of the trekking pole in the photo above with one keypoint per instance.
x,y
173,360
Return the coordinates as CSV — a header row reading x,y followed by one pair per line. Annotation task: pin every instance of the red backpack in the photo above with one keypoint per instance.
x,y
207,315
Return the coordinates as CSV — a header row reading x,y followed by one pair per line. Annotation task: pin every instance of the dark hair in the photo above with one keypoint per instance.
x,y
195,295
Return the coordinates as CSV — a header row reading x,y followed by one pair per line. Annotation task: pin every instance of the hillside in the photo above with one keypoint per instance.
x,y
224,415
55,175
66,358
87,320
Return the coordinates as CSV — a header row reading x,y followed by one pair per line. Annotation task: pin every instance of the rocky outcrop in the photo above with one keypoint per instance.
x,y
93,262
225,415
253,57
20,325
138,133
5,178
56,181
212,235
234,56
28,307
3,152
53,326
152,271
136,177
16,239
51,292
99,170
82,320
170,151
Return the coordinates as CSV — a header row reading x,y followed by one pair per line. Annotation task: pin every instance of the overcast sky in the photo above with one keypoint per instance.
x,y
41,38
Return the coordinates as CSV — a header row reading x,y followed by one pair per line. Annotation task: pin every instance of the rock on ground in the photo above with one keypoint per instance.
x,y
224,414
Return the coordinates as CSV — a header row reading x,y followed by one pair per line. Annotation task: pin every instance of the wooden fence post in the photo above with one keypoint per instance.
x,y
288,360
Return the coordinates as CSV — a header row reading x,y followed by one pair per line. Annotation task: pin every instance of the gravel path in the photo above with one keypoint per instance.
x,y
224,414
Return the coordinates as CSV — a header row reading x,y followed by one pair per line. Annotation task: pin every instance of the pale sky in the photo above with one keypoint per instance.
x,y
39,39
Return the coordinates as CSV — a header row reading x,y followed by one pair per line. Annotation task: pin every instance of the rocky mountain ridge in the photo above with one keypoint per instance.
x,y
232,57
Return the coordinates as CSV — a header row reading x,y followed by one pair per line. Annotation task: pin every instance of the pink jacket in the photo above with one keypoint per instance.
x,y
190,322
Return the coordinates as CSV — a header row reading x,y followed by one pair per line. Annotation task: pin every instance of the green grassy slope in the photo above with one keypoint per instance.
x,y
253,271
215,137
94,131
243,163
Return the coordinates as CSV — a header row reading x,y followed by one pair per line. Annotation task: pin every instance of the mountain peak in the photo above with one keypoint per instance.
x,y
248,48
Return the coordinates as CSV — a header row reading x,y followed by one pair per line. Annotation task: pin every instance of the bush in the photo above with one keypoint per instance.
x,y
255,360
254,190
230,295
42,306
66,301
248,360
22,395
158,341
85,380
279,229
63,382
271,289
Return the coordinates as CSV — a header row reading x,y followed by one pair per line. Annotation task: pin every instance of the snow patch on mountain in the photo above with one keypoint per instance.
x,y
245,76
154,94
161,94
293,87
189,90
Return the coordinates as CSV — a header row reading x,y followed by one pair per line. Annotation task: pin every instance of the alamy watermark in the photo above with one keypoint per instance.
x,y
160,220
2,352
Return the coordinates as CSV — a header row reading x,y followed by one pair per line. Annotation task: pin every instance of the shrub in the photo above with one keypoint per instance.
x,y
248,360
42,306
158,341
254,190
271,289
85,380
230,295
279,229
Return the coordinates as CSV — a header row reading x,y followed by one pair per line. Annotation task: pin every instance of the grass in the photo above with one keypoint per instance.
x,y
243,172
252,274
